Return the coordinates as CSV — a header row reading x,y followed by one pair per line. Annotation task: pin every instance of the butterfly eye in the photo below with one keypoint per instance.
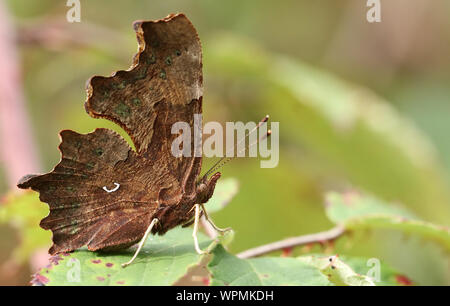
x,y
202,187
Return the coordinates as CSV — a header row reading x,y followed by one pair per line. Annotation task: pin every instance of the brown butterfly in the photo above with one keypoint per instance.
x,y
107,196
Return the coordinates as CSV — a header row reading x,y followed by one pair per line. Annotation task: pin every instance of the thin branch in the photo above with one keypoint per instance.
x,y
331,234
59,35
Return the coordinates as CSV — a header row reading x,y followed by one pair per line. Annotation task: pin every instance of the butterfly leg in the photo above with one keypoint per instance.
x,y
220,230
141,244
194,233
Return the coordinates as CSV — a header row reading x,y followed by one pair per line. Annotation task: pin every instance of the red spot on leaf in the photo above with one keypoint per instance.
x,y
100,278
287,252
109,265
54,260
96,261
403,280
120,282
205,281
39,280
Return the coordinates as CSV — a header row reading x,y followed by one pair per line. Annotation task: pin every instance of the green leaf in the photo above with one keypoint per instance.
x,y
23,211
355,211
227,269
356,271
162,261
225,190
337,271
388,276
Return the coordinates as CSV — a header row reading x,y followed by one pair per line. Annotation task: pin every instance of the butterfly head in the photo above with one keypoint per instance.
x,y
205,187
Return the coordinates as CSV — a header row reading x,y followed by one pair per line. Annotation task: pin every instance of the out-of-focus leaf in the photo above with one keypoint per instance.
x,y
24,211
227,269
432,116
333,135
162,261
333,128
225,190
355,211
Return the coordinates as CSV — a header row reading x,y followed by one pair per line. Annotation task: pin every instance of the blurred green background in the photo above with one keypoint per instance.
x,y
361,106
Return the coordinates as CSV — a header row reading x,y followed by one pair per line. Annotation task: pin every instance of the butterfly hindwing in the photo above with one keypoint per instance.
x,y
75,189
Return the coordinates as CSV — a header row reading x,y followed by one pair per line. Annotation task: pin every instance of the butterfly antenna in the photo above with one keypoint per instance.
x,y
221,162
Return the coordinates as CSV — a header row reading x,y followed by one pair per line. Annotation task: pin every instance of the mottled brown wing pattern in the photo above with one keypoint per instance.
x,y
103,194
165,80
80,208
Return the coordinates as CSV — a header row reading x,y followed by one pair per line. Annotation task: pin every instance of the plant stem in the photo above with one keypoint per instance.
x,y
331,234
17,148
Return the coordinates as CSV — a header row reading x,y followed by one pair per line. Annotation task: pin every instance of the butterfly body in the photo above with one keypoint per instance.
x,y
103,194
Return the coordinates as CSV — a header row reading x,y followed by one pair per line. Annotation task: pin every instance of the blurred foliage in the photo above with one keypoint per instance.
x,y
300,63
365,212
23,213
225,190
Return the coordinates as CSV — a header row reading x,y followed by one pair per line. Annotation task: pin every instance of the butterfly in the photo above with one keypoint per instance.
x,y
107,196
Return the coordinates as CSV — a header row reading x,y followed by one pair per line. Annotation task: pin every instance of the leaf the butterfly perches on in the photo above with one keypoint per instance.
x,y
105,195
